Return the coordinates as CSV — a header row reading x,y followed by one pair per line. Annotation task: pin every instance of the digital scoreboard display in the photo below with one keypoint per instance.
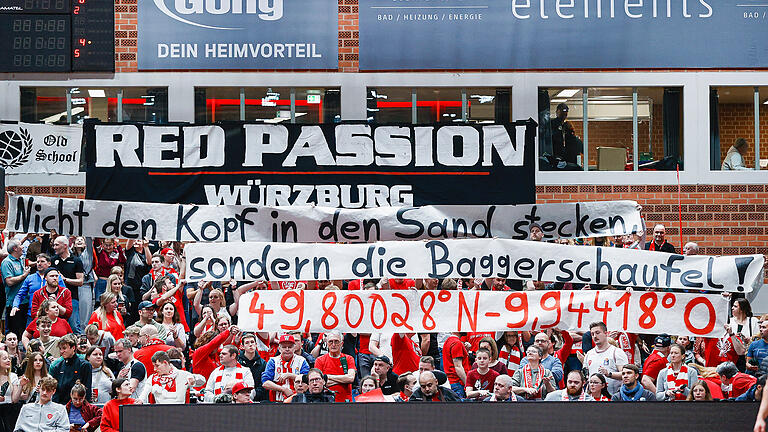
x,y
57,36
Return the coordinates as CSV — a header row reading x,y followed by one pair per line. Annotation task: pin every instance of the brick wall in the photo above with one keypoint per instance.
x,y
738,121
722,219
57,191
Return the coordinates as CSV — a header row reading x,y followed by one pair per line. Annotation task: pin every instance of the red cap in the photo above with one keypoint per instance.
x,y
287,338
165,251
240,386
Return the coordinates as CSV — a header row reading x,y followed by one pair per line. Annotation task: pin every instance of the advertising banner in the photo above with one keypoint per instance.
x,y
472,258
409,311
331,165
237,34
310,224
562,34
27,148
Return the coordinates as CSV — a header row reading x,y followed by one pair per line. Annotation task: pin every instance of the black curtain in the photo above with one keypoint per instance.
x,y
545,131
332,108
201,116
672,100
714,130
502,107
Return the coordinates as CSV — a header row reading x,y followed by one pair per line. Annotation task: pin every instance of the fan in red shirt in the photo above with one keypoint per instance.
x,y
338,367
59,326
405,352
456,363
399,284
475,338
480,381
714,351
734,383
656,362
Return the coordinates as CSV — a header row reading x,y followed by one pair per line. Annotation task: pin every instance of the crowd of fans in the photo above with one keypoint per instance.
x,y
91,325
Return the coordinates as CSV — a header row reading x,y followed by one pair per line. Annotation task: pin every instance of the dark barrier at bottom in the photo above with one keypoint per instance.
x,y
470,417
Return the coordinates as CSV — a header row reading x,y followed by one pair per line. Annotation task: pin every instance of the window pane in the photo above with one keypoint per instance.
x,y
214,104
269,104
97,103
482,105
145,104
438,105
610,137
315,105
389,105
735,119
44,104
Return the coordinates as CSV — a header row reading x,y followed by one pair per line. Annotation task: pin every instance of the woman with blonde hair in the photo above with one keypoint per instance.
x,y
36,370
107,317
10,390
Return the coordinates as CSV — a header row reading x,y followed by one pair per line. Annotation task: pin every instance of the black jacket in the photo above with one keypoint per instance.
x,y
67,371
307,397
447,395
257,366
390,385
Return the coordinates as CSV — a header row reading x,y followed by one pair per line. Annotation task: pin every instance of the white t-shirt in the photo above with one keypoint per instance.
x,y
385,343
612,359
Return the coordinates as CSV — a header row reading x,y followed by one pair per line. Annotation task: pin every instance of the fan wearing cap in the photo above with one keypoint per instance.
x,y
241,393
338,367
656,361
564,141
281,370
382,371
147,317
169,260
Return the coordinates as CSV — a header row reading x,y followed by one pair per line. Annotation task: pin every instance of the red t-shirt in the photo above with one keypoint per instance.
x,y
354,284
114,326
653,365
59,328
475,338
402,285
332,366
365,339
404,354
454,348
479,381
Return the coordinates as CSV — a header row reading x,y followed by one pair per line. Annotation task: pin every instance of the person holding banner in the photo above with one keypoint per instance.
x,y
677,379
533,381
338,367
659,242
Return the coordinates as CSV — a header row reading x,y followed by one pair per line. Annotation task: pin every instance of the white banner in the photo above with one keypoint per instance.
x,y
478,311
514,259
234,223
40,148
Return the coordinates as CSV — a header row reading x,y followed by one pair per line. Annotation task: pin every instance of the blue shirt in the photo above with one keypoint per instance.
x,y
31,284
75,416
758,350
11,267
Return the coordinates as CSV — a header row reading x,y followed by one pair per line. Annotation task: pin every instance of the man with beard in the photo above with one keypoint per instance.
x,y
574,389
631,390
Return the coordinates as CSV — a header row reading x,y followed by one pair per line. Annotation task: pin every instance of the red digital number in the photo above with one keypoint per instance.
x,y
76,10
82,41
77,53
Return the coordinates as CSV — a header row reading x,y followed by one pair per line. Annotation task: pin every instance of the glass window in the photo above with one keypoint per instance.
x,y
74,104
732,128
439,105
607,131
390,105
268,104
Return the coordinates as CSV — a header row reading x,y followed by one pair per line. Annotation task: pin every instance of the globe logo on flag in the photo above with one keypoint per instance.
x,y
15,148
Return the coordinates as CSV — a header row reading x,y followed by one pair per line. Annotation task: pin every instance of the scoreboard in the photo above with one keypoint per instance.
x,y
57,36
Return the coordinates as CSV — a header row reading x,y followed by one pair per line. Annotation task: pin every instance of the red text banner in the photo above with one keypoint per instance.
x,y
477,311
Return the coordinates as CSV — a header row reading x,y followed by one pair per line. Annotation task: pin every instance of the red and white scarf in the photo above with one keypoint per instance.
x,y
675,381
283,367
567,398
510,357
626,346
528,379
218,387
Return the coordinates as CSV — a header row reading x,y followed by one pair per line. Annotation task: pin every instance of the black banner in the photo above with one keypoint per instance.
x,y
352,165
